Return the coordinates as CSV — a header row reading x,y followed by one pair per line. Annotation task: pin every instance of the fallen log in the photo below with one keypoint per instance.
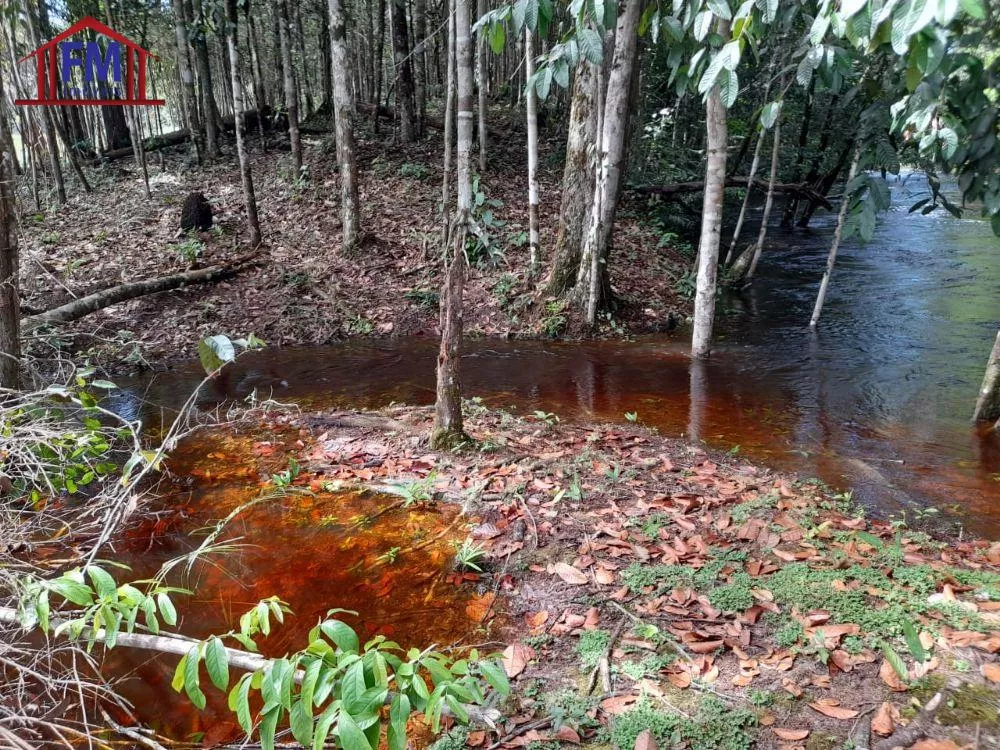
x,y
82,306
800,189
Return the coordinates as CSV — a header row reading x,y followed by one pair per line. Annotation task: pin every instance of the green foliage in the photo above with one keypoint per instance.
x,y
735,596
426,298
285,478
687,285
715,726
415,170
190,249
454,739
359,325
470,555
50,238
554,321
592,646
415,492
789,634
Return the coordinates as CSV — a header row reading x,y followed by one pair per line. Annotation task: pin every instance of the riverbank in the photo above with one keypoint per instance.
x,y
302,291
648,584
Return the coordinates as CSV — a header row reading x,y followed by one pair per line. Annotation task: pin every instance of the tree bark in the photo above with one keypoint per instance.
x,y
792,204
754,163
249,196
343,111
711,218
768,201
288,78
577,182
209,107
188,108
483,86
404,72
48,121
449,122
592,279
10,304
845,204
420,57
448,426
532,126
988,403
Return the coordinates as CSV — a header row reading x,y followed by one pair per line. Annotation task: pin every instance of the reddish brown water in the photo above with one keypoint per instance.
x,y
878,400
315,551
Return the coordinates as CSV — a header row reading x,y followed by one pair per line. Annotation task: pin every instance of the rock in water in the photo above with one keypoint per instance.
x,y
196,213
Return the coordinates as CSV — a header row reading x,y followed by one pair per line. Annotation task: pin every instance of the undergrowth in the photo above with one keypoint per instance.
x,y
714,727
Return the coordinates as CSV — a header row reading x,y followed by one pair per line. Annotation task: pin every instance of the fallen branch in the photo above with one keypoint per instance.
x,y
800,189
917,728
78,308
177,137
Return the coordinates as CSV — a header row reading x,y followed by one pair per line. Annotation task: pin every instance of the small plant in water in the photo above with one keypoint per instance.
x,y
390,556
470,555
419,491
632,416
284,478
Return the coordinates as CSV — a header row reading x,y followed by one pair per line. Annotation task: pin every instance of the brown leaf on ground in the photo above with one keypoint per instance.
x,y
644,741
536,620
569,574
567,734
832,708
619,704
515,658
935,745
476,739
791,687
891,678
790,735
883,723
991,672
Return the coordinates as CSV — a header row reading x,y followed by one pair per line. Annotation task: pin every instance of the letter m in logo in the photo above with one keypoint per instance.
x,y
100,64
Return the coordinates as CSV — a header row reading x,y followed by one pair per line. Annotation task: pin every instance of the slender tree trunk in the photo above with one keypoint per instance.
x,y
306,82
449,122
138,151
10,303
288,76
6,137
48,121
420,58
378,63
792,205
592,279
769,201
240,121
532,113
209,108
260,90
188,108
343,111
711,218
578,180
326,79
483,85
988,403
755,162
404,73
448,426
845,204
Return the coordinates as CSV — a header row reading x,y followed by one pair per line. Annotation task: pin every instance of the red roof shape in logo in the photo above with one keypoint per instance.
x,y
47,80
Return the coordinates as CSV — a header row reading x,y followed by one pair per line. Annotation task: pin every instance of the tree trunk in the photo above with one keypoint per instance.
x,y
6,137
448,428
48,121
449,122
240,120
404,72
420,57
260,90
792,205
711,218
209,107
988,403
10,304
188,108
769,201
343,111
578,181
301,37
592,278
845,204
754,163
532,125
378,62
481,83
288,77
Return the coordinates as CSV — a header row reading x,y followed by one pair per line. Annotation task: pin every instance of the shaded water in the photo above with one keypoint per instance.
x,y
351,550
878,399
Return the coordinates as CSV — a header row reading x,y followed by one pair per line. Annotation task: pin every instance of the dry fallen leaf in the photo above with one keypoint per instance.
x,y
991,672
891,678
935,745
569,574
790,735
883,723
644,740
830,707
618,704
515,658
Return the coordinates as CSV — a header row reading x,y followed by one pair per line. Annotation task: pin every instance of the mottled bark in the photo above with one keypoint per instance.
x,y
577,182
208,106
48,121
711,218
404,72
189,111
343,111
482,85
531,107
988,403
831,259
449,120
249,197
10,304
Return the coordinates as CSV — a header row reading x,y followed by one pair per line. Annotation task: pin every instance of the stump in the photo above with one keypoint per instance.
x,y
196,214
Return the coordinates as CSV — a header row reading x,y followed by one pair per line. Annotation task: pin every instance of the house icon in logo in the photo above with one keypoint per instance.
x,y
87,73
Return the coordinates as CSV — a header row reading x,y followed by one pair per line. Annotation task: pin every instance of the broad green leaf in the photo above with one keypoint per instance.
x,y
913,642
895,661
268,725
323,725
104,584
729,87
217,663
351,736
191,678
166,609
495,675
399,712
215,351
702,24
178,682
721,9
341,634
300,719
974,8
591,46
72,591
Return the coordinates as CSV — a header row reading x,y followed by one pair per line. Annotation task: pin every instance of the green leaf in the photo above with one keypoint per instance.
x,y
769,114
974,8
351,736
191,678
399,712
106,385
178,682
323,725
721,9
896,661
702,24
104,584
729,87
268,725
495,675
300,720
72,591
913,642
215,351
497,37
341,634
166,609
353,687
240,702
591,46
217,663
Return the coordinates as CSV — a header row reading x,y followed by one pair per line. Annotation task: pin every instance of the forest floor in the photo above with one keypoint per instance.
x,y
303,290
642,583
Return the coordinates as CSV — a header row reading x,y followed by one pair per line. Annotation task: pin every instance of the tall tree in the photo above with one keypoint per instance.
x,y
343,111
47,117
288,78
10,303
189,109
482,85
711,214
249,197
531,107
208,106
448,427
404,73
988,403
